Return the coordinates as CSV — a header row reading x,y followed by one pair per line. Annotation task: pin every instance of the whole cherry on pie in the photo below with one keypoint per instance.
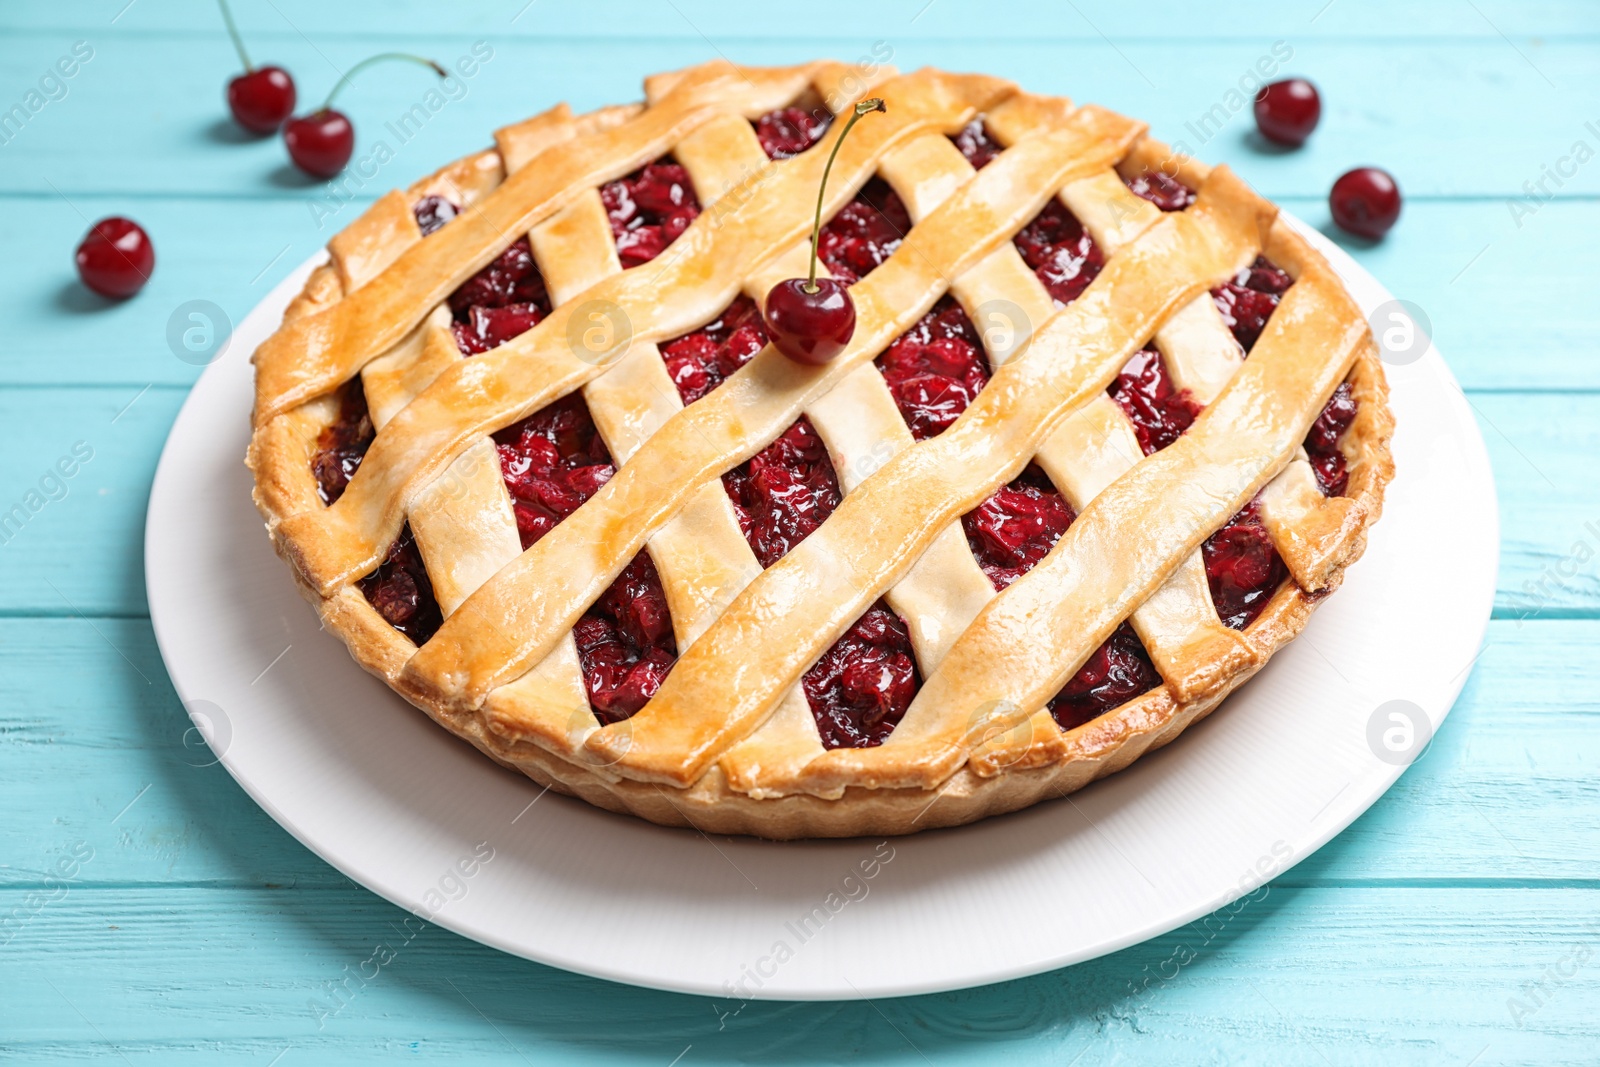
x,y
116,257
1287,111
811,321
262,97
321,143
1365,202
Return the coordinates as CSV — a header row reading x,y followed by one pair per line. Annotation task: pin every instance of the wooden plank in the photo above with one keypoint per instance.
x,y
1508,305
1541,445
1418,936
83,553
229,253
173,136
1518,315
1294,976
1503,794
688,19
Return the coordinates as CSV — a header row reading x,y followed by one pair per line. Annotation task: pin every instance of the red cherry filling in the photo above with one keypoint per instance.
x,y
401,592
1014,529
502,300
935,369
784,492
625,642
864,233
698,362
862,685
1249,299
788,131
974,143
1118,671
649,209
1158,411
1243,568
342,444
860,688
1161,189
432,212
1322,443
552,461
1059,250
1011,532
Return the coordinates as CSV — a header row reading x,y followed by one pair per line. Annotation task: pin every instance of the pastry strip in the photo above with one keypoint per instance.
x,y
336,545
470,656
805,601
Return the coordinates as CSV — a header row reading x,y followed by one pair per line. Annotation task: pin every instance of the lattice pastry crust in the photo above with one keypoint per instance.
x,y
728,743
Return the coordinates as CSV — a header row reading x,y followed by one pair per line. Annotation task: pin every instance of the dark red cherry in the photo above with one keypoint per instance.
x,y
810,320
810,327
320,143
1287,111
116,258
261,99
1365,201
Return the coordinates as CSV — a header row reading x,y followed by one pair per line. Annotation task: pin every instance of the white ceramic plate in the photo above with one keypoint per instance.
x,y
391,800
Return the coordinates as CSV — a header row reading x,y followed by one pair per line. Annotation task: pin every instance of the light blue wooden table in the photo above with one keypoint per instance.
x,y
149,910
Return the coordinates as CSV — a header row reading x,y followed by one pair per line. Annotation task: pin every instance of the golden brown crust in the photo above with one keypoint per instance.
x,y
1013,762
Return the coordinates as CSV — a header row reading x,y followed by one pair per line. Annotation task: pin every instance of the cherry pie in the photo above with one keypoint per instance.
x,y
1106,433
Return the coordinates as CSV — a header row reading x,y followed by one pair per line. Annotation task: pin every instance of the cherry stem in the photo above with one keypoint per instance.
x,y
863,108
344,79
233,31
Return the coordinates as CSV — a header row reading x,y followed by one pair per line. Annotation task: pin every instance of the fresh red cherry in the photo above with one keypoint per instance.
x,y
1365,201
116,258
262,97
810,326
1287,111
321,143
811,320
